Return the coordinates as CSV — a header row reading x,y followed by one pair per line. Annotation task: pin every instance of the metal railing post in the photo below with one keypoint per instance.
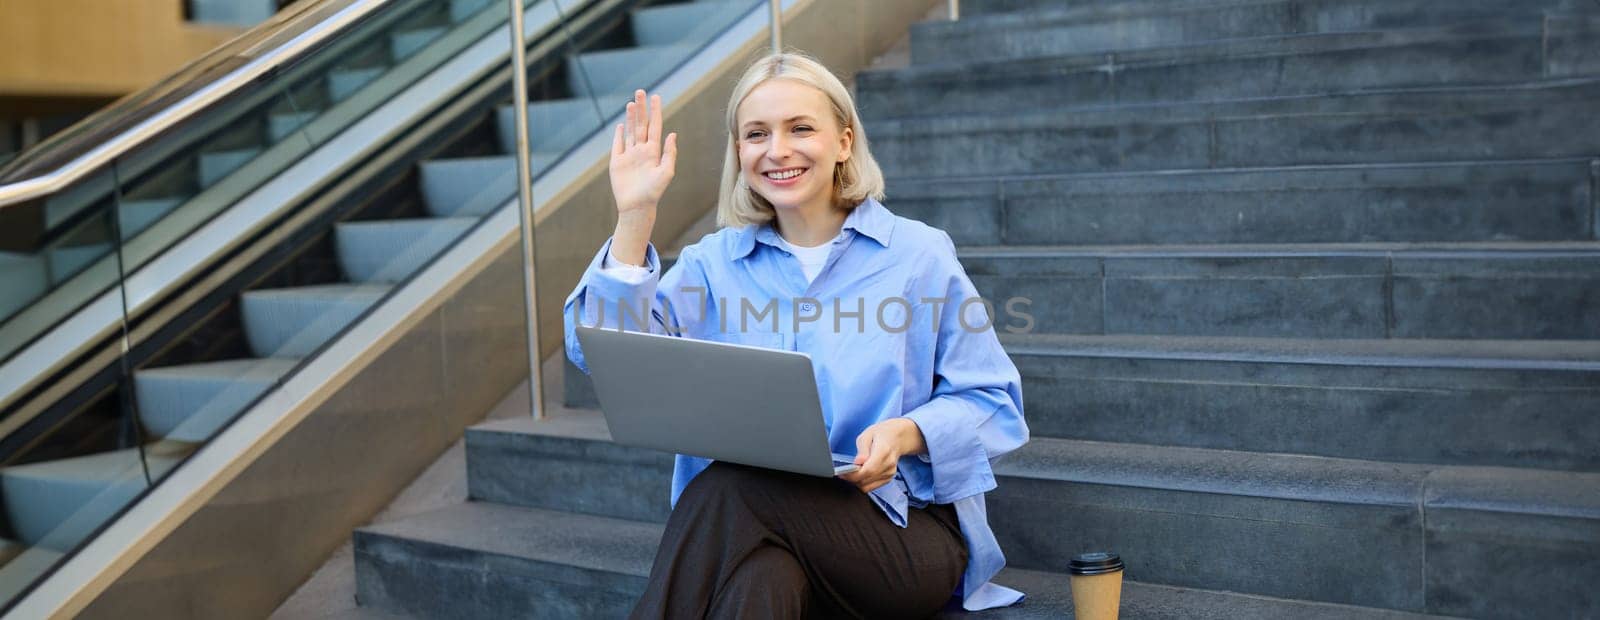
x,y
775,22
519,97
954,9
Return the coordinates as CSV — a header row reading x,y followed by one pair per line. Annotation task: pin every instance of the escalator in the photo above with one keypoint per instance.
x,y
173,259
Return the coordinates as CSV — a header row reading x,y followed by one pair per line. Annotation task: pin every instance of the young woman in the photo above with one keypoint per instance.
x,y
912,377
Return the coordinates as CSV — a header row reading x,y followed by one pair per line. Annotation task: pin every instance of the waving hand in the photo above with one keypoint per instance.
x,y
642,163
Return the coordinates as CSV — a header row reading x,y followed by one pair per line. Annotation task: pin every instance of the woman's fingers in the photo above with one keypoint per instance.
x,y
642,124
641,118
867,480
642,164
860,476
863,448
653,129
628,124
669,152
875,461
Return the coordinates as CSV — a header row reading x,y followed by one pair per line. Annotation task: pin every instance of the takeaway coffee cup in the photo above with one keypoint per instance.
x,y
1096,585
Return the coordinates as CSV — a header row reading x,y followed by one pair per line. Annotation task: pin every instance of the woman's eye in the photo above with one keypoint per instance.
x,y
755,134
802,128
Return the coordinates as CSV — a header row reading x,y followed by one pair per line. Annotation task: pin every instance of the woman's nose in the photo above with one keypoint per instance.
x,y
778,147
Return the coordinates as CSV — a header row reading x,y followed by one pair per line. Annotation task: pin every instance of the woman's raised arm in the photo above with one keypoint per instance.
x,y
642,165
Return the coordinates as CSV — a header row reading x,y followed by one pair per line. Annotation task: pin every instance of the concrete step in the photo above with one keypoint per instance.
x,y
558,565
692,22
570,452
1316,514
1050,596
565,565
1415,538
1571,51
976,8
578,388
1011,29
973,9
361,613
1540,200
1451,402
473,186
1297,64
295,322
1538,291
391,250
1525,121
192,402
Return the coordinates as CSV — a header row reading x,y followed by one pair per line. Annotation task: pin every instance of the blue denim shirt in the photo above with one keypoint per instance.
x,y
889,332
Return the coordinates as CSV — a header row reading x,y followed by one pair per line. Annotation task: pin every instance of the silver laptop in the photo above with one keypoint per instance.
x,y
727,402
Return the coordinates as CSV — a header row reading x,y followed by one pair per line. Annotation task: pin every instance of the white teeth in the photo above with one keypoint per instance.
x,y
784,175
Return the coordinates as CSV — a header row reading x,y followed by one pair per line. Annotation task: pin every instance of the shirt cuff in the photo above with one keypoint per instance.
x,y
610,289
629,274
891,498
959,462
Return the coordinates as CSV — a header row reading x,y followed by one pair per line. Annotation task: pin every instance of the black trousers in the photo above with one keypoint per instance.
x,y
746,542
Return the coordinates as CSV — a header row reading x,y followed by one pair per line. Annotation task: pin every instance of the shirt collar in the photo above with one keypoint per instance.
x,y
869,218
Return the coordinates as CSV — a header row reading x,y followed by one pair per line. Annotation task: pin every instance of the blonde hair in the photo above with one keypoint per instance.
x,y
854,180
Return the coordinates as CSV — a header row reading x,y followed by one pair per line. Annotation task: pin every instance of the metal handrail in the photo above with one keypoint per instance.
x,y
83,165
530,289
775,24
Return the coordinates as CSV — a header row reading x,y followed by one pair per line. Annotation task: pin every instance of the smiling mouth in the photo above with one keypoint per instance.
x,y
783,175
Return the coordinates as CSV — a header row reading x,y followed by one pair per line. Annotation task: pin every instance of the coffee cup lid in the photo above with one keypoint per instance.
x,y
1095,563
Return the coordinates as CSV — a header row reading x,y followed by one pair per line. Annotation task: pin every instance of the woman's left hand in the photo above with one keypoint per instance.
x,y
878,452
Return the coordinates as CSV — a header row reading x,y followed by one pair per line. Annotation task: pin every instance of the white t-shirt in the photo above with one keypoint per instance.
x,y
811,262
811,259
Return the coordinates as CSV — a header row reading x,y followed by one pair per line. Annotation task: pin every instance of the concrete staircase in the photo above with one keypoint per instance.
x,y
1313,288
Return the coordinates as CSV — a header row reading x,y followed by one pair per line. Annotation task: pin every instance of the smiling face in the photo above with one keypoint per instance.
x,y
789,143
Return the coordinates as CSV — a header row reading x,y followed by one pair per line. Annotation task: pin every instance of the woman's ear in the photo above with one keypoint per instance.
x,y
847,139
